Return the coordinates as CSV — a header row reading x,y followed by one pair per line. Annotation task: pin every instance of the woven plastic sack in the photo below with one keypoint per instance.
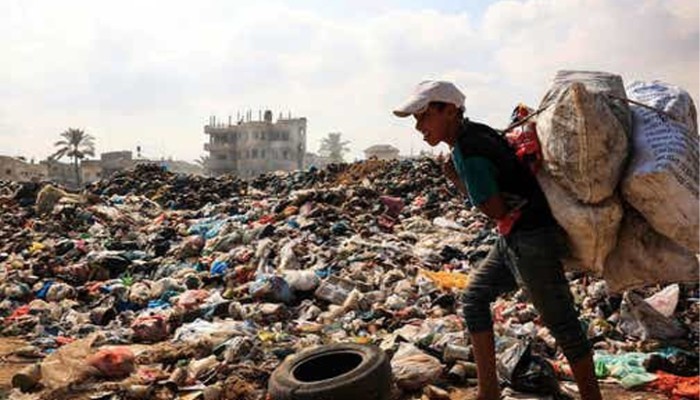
x,y
584,133
591,228
644,257
662,179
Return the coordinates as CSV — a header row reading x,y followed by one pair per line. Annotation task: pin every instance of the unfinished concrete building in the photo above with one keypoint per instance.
x,y
250,147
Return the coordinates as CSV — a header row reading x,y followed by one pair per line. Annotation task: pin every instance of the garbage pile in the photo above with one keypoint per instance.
x,y
156,285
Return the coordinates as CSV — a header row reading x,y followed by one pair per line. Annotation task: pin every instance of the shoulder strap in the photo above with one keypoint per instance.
x,y
482,140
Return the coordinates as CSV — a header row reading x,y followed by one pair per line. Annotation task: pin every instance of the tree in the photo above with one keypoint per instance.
x,y
203,161
333,148
76,144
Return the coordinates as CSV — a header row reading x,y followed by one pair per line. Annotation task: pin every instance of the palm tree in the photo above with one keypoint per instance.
x,y
75,144
334,148
203,161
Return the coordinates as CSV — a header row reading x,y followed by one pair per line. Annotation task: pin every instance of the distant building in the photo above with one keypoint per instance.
x,y
91,170
17,169
115,161
382,152
63,173
249,148
313,159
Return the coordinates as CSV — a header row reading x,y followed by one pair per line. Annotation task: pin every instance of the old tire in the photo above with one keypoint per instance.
x,y
342,371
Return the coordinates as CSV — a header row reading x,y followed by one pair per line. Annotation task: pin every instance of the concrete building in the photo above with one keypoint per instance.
x,y
252,147
382,152
63,173
17,169
115,161
91,171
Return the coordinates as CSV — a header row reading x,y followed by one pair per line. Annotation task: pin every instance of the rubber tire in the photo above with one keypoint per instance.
x,y
369,380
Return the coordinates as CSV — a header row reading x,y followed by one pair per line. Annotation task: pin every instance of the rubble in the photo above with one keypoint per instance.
x,y
155,285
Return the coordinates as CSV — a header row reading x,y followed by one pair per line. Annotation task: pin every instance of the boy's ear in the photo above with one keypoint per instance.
x,y
452,110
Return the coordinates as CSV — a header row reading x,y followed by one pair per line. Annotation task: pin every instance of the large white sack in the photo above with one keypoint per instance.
x,y
661,181
645,257
592,228
584,133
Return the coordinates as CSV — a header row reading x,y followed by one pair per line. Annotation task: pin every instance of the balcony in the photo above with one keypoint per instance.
x,y
219,146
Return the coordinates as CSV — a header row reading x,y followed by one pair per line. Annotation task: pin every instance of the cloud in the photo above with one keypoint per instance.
x,y
146,73
651,39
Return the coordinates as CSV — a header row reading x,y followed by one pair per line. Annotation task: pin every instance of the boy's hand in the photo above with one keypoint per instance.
x,y
448,168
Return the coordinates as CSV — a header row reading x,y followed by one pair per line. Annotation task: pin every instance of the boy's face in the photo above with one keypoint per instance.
x,y
434,124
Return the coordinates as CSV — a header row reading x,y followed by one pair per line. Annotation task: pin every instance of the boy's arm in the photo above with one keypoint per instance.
x,y
494,207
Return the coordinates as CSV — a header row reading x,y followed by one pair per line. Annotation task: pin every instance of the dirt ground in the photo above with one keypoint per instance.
x,y
10,366
610,392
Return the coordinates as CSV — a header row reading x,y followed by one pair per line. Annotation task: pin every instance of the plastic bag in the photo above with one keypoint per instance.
x,y
150,328
639,319
271,287
524,372
665,301
447,280
628,368
413,369
114,362
523,139
302,280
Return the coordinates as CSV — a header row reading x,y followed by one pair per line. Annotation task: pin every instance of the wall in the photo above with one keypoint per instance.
x,y
14,169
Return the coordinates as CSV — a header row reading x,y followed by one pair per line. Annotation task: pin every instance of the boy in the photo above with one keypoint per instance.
x,y
528,252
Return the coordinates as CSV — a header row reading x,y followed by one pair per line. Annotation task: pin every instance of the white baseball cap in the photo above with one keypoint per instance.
x,y
427,92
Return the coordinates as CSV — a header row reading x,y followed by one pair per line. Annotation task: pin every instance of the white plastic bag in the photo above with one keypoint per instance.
x,y
301,280
665,301
639,319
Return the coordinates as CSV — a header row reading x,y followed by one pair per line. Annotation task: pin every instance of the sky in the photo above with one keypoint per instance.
x,y
150,73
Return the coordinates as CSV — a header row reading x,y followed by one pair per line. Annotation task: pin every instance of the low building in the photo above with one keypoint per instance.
x,y
63,173
59,172
115,161
382,152
91,170
19,170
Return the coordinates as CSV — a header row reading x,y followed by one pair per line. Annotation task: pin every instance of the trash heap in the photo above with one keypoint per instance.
x,y
155,285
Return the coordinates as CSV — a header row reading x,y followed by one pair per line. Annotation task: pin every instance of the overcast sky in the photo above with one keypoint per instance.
x,y
150,73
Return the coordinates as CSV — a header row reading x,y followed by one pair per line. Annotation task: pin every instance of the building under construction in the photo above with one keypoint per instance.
x,y
249,147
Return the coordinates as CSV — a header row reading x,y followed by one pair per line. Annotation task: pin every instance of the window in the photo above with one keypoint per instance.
x,y
262,153
255,153
8,172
